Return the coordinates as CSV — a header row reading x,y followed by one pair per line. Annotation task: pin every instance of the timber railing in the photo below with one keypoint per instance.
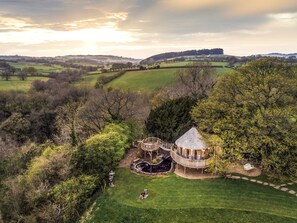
x,y
186,162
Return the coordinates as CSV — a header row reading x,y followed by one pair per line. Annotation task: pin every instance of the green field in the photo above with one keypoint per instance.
x,y
14,84
185,63
222,71
42,69
90,80
146,80
174,64
174,199
149,80
219,63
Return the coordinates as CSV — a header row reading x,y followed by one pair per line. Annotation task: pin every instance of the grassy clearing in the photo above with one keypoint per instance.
x,y
14,84
42,69
146,80
174,199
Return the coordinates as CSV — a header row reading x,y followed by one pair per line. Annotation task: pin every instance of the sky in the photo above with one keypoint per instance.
x,y
141,28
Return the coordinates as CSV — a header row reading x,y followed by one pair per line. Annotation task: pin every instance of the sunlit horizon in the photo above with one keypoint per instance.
x,y
140,29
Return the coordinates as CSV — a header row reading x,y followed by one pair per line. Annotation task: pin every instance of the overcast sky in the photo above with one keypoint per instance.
x,y
140,28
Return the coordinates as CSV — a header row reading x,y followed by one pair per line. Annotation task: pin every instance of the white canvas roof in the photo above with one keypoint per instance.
x,y
192,139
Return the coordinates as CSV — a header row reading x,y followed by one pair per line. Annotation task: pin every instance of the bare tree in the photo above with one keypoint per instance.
x,y
197,79
113,105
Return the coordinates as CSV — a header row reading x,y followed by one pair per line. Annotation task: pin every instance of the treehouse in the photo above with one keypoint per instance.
x,y
190,151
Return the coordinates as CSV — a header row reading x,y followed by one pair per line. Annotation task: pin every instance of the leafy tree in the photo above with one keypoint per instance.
x,y
71,197
253,111
171,119
29,70
23,75
102,152
17,126
6,75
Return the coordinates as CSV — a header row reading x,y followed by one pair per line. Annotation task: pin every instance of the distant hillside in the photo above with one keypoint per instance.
x,y
98,59
282,55
169,55
90,59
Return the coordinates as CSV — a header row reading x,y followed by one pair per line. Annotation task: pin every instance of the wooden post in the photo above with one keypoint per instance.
x,y
184,170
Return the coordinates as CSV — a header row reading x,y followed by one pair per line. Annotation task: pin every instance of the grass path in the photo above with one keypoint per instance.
x,y
175,199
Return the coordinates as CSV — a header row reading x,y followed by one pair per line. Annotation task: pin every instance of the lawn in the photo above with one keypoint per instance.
x,y
14,84
174,199
146,80
42,69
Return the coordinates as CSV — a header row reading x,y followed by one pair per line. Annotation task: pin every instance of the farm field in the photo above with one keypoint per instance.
x,y
146,80
174,199
185,63
149,80
44,70
90,80
174,64
14,84
219,63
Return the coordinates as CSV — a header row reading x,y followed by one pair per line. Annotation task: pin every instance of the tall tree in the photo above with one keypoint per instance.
x,y
254,112
23,75
198,79
6,75
171,119
29,70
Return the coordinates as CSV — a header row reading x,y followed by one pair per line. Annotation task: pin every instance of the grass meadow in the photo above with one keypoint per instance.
x,y
174,199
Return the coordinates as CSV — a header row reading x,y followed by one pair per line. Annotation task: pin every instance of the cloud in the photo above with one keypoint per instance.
x,y
232,7
140,28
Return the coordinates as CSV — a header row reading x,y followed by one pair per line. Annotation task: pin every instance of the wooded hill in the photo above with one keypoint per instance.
x,y
169,55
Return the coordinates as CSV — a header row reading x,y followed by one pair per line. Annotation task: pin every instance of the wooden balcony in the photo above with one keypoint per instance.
x,y
186,162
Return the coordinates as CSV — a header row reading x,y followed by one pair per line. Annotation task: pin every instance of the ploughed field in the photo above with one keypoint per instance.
x,y
174,199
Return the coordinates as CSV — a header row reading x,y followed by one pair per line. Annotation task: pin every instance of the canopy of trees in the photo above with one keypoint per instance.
x,y
254,112
50,183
